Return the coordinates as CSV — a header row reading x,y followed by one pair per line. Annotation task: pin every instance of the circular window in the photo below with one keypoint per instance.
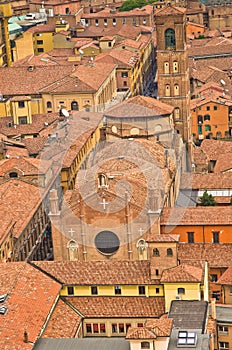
x,y
107,242
134,131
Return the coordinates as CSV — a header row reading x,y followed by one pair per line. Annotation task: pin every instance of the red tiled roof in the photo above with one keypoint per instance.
x,y
197,216
162,326
31,295
170,11
182,273
110,307
98,272
213,148
206,181
140,333
34,145
29,166
217,255
226,277
162,238
63,322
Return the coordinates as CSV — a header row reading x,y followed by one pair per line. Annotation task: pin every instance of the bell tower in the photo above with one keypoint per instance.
x,y
172,66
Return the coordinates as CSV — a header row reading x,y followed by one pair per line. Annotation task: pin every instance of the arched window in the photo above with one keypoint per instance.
x,y
49,104
145,345
166,67
158,128
167,90
199,119
74,106
72,250
206,117
176,90
170,40
207,127
181,290
169,252
175,67
102,180
177,113
13,175
156,252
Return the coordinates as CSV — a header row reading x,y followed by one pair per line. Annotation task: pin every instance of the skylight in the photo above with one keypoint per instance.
x,y
3,310
3,298
186,338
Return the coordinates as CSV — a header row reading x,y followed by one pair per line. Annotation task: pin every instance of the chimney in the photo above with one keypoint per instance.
x,y
213,308
25,337
54,203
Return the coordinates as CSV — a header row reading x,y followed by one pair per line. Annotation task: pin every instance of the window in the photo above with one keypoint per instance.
x,y
94,290
128,325
169,252
141,290
223,329
40,49
167,90
213,277
134,21
208,108
157,290
124,21
70,291
124,74
176,90
216,294
114,328
23,120
21,104
207,127
102,180
105,21
95,328
230,290
114,21
190,237
181,291
175,67
186,338
102,328
96,22
170,40
199,129
117,290
74,106
39,42
139,324
215,108
88,328
49,104
156,252
109,44
223,345
177,113
156,272
206,117
166,67
124,83
145,345
215,237
121,327
13,175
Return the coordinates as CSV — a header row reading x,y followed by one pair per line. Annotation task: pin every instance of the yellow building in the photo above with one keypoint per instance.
x,y
34,41
185,282
5,49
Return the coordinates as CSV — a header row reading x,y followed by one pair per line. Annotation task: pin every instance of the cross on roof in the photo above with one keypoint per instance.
x,y
104,203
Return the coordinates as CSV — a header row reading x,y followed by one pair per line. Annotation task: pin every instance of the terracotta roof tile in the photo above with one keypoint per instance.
x,y
29,166
217,255
197,216
98,272
162,238
213,148
226,277
161,327
206,181
170,11
63,322
182,273
110,307
31,295
140,333
34,145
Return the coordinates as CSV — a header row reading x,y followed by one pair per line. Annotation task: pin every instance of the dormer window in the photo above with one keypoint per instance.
x,y
13,175
102,181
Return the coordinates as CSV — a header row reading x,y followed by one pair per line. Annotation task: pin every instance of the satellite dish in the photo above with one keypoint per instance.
x,y
222,82
65,112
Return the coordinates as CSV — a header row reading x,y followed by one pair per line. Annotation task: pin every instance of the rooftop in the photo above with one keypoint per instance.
x,y
182,273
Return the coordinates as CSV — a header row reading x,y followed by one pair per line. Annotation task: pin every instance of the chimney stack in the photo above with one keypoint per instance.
x,y
25,337
54,203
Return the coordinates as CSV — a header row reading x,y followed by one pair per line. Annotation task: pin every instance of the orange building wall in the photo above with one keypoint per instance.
x,y
218,119
196,30
202,234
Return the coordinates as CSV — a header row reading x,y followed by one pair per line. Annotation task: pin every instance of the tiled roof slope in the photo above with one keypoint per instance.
x,y
217,255
182,273
63,323
31,295
29,166
197,216
226,277
206,181
162,238
213,148
161,327
118,306
98,272
18,202
140,333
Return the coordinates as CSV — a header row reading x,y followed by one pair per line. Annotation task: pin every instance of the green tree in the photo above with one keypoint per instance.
x,y
207,200
132,4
